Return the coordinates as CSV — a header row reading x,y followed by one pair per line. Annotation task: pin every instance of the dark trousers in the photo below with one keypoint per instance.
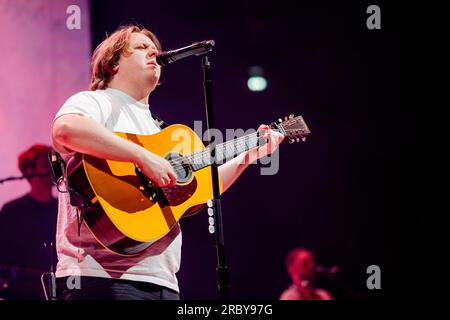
x,y
96,288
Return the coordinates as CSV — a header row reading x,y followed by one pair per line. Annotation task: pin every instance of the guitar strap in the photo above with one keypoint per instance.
x,y
160,123
59,178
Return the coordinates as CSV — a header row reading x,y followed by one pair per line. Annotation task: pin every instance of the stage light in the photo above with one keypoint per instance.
x,y
257,83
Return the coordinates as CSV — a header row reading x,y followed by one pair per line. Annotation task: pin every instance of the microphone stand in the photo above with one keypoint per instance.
x,y
215,204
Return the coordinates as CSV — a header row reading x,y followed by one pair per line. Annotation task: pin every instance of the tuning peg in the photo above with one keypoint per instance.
x,y
280,120
303,139
291,116
298,139
291,141
285,118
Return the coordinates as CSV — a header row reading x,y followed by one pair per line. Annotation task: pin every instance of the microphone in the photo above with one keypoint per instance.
x,y
197,48
327,270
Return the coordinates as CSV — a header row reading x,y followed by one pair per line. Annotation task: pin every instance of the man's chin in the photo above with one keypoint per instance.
x,y
152,82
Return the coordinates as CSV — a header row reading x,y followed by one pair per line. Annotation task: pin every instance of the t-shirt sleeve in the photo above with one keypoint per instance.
x,y
85,104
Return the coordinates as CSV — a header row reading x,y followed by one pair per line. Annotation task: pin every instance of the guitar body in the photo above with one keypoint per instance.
x,y
124,214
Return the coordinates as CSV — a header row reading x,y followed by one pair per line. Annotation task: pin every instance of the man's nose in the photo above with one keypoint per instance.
x,y
152,53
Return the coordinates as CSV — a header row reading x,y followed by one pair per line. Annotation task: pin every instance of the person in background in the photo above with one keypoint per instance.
x,y
28,227
301,268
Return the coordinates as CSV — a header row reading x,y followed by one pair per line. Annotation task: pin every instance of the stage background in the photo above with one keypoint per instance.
x,y
42,64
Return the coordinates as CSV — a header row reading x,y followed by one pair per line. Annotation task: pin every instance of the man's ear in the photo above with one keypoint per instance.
x,y
115,69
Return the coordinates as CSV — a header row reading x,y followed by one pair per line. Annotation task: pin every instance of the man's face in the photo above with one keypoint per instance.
x,y
42,166
140,66
303,265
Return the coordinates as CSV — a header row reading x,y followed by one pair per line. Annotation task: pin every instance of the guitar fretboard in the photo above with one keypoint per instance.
x,y
223,152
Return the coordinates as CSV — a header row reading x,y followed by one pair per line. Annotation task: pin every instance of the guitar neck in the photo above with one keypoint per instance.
x,y
224,151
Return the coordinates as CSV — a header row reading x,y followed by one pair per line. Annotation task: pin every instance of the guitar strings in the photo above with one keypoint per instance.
x,y
199,155
224,147
185,161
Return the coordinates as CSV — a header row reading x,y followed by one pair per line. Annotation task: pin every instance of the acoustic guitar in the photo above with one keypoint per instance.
x,y
123,209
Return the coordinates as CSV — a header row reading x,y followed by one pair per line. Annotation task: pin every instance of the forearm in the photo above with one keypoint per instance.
x,y
84,135
231,170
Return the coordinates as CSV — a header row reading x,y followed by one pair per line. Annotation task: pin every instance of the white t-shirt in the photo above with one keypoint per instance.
x,y
84,255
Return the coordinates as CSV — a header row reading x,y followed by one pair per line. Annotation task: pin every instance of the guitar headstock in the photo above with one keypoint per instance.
x,y
293,128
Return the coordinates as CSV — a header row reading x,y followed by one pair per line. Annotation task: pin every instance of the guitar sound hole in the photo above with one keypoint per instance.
x,y
181,168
